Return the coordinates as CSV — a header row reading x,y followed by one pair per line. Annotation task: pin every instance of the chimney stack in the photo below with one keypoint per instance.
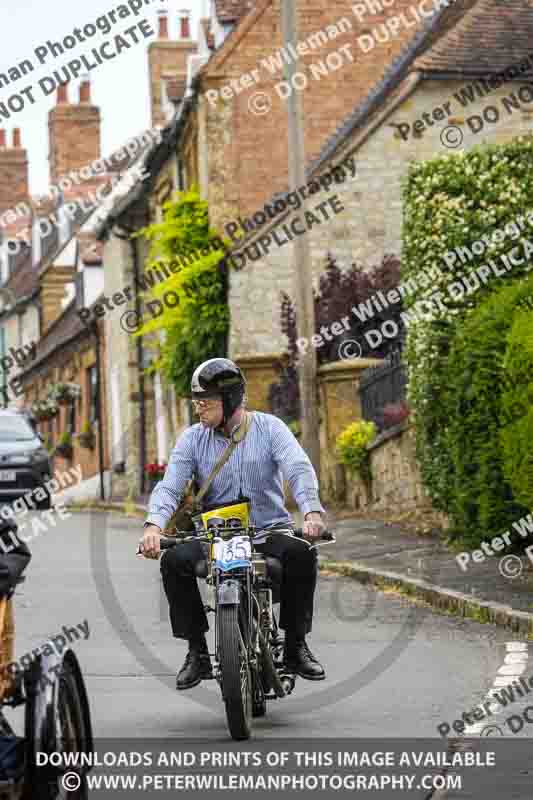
x,y
14,187
62,93
185,24
163,24
167,59
73,132
85,90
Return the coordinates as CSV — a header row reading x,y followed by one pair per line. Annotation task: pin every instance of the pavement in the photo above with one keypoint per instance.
x,y
421,566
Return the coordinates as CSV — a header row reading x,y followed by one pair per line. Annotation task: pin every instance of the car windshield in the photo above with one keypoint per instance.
x,y
15,429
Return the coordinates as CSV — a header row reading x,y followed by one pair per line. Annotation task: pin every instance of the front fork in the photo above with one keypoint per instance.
x,y
230,591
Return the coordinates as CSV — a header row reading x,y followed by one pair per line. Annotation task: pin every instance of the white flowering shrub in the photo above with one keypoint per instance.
x,y
481,201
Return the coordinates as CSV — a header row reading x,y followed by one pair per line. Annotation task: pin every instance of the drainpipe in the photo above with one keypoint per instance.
x,y
181,187
99,410
140,353
140,367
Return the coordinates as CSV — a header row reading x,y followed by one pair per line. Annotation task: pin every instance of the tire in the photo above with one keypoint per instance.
x,y
235,673
71,723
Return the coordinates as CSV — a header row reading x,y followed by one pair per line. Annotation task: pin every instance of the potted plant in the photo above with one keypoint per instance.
x,y
86,437
65,393
154,472
64,446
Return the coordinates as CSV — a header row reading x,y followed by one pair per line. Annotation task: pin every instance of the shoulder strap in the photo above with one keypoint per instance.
x,y
238,437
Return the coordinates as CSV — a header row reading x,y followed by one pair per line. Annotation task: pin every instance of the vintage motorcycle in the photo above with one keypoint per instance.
x,y
244,585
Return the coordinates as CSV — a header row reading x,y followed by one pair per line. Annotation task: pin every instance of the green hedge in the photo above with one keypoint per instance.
x,y
516,434
452,202
482,500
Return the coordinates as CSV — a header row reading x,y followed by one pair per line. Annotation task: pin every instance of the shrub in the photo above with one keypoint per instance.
x,y
196,328
516,434
452,202
352,447
337,293
482,501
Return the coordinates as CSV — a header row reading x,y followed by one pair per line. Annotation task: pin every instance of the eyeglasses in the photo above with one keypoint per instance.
x,y
206,403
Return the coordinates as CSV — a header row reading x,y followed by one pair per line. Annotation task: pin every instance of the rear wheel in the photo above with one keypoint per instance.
x,y
235,672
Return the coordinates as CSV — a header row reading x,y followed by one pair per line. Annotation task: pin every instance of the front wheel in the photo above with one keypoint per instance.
x,y
235,672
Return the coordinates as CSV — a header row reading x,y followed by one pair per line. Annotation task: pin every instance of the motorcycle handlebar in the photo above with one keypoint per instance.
x,y
166,542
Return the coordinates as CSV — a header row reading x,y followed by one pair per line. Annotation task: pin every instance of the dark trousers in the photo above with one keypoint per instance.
x,y
299,575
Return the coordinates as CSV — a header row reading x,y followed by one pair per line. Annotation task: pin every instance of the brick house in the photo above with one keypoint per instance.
x,y
449,62
240,160
462,45
55,273
145,414
215,145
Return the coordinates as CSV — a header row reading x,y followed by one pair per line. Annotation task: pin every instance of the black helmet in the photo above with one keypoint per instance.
x,y
219,376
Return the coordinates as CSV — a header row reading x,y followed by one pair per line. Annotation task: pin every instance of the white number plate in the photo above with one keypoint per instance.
x,y
237,549
8,475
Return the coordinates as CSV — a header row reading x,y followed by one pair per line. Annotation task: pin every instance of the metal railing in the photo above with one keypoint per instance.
x,y
382,386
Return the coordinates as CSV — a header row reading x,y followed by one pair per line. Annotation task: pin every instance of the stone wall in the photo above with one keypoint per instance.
x,y
397,489
339,406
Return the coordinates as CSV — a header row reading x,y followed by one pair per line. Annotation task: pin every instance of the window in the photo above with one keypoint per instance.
x,y
92,393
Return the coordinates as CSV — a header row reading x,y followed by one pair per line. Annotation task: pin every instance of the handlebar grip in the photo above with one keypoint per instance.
x,y
166,542
326,536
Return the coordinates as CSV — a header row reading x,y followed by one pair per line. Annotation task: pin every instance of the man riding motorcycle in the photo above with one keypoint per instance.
x,y
267,453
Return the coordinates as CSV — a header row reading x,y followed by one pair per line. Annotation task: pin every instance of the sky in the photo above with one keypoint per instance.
x,y
118,86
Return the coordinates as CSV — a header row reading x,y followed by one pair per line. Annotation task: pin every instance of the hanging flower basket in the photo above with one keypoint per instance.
x,y
44,409
65,393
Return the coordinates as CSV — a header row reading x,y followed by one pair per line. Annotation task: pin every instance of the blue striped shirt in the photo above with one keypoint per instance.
x,y
257,467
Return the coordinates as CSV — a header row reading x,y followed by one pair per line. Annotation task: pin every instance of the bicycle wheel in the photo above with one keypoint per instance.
x,y
235,672
44,783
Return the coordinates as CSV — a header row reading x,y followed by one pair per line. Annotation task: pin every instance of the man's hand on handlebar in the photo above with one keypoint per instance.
x,y
313,525
150,541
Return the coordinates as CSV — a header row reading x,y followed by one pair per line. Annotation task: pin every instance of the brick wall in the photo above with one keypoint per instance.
x,y
249,161
13,171
74,132
167,58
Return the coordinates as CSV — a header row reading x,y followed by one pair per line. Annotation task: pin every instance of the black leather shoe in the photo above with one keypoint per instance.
x,y
299,659
196,667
